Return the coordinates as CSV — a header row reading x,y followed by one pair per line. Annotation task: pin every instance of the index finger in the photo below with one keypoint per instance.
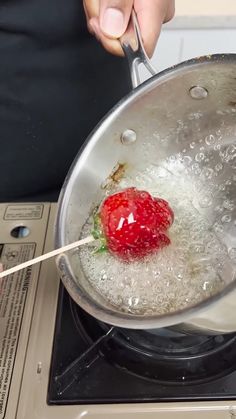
x,y
151,19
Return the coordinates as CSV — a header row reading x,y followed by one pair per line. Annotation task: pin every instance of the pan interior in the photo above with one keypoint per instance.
x,y
188,141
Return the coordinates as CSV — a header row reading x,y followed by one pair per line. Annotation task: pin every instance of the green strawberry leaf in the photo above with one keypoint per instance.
x,y
97,233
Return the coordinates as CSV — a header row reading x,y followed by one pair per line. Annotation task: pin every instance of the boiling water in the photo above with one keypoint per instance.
x,y
197,263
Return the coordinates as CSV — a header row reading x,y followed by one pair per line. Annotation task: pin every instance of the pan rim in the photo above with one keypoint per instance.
x,y
117,318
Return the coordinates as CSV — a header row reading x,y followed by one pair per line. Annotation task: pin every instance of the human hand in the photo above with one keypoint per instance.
x,y
108,20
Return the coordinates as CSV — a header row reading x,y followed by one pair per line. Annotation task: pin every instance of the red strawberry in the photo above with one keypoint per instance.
x,y
133,224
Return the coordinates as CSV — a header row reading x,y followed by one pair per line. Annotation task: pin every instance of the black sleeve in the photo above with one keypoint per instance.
x,y
56,83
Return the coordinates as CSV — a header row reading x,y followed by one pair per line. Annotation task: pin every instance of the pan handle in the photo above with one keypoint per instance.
x,y
132,45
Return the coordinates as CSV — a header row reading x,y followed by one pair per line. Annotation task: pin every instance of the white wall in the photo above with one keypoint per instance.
x,y
200,27
205,7
177,45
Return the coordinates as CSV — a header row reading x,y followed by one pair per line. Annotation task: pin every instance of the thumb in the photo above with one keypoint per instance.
x,y
114,17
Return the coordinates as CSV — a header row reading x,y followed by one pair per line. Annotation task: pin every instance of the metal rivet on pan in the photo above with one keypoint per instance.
x,y
198,92
128,137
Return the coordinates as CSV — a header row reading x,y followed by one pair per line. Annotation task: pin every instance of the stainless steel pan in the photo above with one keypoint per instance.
x,y
184,103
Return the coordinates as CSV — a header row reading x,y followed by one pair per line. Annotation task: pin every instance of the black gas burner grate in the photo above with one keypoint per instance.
x,y
96,363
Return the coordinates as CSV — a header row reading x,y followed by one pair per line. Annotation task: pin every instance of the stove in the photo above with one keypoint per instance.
x,y
58,362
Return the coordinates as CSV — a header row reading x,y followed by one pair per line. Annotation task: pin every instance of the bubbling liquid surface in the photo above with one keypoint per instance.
x,y
190,269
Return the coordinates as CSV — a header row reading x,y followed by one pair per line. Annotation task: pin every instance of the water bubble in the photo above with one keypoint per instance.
x,y
205,285
218,228
217,147
219,209
219,167
196,168
222,187
231,152
187,160
228,154
210,139
119,300
205,201
226,218
232,253
207,173
133,301
192,145
200,157
228,204
103,276
199,248
180,269
195,115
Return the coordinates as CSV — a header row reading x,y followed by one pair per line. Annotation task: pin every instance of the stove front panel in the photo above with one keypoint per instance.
x,y
23,229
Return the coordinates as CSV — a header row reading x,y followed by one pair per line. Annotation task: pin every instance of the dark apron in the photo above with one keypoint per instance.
x,y
56,82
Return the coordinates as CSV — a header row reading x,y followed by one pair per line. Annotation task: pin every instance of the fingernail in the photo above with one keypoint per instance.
x,y
112,22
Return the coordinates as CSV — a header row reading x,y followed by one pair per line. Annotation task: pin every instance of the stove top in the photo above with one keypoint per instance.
x,y
58,362
95,363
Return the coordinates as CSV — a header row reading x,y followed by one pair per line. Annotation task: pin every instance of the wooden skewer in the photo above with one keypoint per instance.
x,y
46,256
